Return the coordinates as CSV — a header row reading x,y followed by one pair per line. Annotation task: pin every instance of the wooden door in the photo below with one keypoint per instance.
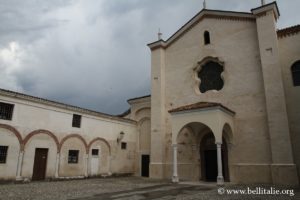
x,y
145,165
40,164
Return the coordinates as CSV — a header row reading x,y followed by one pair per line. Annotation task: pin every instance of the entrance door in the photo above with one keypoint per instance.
x,y
209,161
40,164
211,165
145,165
95,162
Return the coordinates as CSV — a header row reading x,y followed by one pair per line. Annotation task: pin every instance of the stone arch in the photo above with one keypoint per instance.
x,y
228,133
40,131
142,120
142,109
188,150
14,131
99,139
206,128
74,136
143,133
139,113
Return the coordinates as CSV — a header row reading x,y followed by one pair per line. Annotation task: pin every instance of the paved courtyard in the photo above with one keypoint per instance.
x,y
129,188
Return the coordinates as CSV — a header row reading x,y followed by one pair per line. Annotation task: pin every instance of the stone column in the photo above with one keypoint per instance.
x,y
19,166
109,165
57,165
220,178
175,173
86,160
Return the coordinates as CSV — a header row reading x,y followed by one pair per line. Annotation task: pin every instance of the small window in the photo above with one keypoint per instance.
x,y
3,154
206,38
6,111
296,73
73,156
123,145
76,121
95,152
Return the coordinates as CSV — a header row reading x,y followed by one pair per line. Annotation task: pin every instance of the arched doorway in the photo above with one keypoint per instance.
x,y
208,157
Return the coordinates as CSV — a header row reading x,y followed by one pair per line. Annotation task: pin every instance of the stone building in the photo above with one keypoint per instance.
x,y
224,106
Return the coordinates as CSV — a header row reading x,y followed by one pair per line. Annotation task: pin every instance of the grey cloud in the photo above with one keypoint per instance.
x,y
93,53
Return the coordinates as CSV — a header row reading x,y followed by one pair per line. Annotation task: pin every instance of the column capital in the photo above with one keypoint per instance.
x,y
218,143
175,145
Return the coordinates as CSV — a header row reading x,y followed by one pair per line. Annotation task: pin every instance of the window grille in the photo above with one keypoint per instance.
x,y
76,121
6,111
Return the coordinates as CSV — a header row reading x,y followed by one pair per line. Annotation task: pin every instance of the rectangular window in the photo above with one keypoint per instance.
x,y
73,156
76,121
3,154
6,111
95,152
123,145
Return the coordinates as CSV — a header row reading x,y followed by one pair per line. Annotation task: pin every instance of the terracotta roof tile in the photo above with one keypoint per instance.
x,y
288,31
199,105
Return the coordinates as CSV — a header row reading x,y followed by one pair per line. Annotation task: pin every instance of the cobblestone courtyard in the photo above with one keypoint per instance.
x,y
122,189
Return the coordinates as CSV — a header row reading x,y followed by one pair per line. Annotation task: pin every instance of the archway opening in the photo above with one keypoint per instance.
x,y
208,157
188,148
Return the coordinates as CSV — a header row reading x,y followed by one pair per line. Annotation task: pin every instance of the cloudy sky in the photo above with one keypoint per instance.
x,y
93,53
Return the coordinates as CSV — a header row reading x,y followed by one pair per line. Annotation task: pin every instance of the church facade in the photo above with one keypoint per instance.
x,y
224,106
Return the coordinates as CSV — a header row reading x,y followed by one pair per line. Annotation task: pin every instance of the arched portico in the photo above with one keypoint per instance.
x,y
213,116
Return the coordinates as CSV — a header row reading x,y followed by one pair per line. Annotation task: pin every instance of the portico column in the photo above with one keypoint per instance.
x,y
220,178
175,174
19,166
57,164
86,160
109,165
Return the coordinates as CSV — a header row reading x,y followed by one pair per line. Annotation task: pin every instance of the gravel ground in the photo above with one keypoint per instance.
x,y
127,188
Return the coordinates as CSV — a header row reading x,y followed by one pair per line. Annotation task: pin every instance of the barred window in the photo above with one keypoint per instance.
x,y
73,156
6,111
3,154
296,73
76,121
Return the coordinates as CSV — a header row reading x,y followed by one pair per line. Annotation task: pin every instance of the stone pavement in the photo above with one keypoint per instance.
x,y
126,188
164,191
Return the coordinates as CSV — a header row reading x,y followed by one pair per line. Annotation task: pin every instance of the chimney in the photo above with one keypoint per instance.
x,y
263,2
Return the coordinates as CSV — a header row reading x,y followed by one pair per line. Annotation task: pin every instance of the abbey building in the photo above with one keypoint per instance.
x,y
224,106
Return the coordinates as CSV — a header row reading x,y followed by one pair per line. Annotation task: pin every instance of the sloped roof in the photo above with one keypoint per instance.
x,y
205,13
200,105
72,108
136,98
215,14
288,31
